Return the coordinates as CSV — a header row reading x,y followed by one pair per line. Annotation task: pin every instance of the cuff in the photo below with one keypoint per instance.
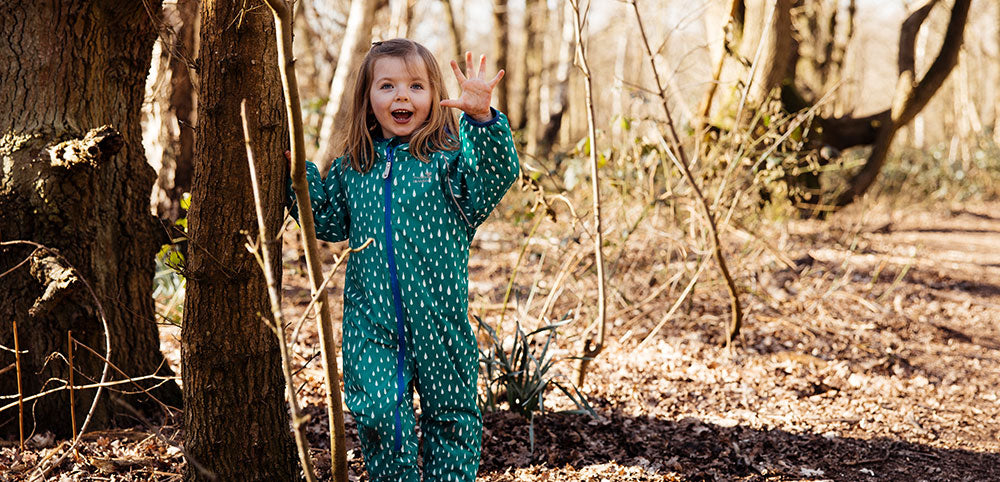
x,y
494,120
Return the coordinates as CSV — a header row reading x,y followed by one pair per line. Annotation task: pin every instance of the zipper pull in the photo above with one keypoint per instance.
x,y
385,173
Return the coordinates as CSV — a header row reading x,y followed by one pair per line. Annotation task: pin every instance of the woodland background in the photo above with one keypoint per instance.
x,y
838,157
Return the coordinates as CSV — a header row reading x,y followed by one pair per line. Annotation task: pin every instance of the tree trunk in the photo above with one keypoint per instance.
x,y
236,421
456,30
175,103
535,15
560,101
357,42
66,70
499,51
911,96
777,51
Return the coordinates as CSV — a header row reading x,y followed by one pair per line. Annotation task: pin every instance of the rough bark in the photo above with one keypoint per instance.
x,y
236,423
357,42
73,176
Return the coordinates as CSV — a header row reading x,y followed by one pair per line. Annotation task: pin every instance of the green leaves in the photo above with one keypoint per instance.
x,y
521,374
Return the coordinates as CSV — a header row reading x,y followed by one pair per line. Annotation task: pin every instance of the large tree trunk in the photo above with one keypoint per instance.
x,y
66,70
235,416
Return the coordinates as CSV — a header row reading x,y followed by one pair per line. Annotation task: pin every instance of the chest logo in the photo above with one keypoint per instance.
x,y
423,176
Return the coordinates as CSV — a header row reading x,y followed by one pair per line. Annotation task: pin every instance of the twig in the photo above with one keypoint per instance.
x,y
322,287
79,387
128,378
20,392
677,304
683,164
72,399
520,257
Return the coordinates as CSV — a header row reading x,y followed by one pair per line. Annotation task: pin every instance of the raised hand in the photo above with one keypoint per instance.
x,y
476,90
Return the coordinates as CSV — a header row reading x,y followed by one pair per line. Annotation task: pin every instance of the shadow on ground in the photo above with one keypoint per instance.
x,y
689,449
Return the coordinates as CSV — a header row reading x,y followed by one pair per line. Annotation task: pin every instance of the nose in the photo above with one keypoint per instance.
x,y
402,95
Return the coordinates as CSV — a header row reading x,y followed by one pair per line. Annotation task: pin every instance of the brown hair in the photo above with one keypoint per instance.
x,y
439,131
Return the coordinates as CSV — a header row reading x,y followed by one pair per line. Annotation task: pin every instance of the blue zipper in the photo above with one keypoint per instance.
x,y
397,296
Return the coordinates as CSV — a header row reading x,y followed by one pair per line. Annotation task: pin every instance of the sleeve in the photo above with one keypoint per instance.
x,y
486,168
328,200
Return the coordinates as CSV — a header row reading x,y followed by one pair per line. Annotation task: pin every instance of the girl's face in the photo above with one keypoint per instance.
x,y
400,95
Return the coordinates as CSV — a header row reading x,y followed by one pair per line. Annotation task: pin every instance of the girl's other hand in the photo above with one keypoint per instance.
x,y
476,90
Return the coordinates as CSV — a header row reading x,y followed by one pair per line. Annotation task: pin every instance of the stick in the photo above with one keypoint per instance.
x,y
72,400
20,392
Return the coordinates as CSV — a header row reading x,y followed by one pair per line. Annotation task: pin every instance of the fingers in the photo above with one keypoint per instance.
x,y
468,65
458,73
496,80
482,66
450,103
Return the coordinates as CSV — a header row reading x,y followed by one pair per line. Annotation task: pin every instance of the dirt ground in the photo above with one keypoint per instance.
x,y
871,351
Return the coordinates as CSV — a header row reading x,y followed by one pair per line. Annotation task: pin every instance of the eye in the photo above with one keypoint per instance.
x,y
417,86
385,85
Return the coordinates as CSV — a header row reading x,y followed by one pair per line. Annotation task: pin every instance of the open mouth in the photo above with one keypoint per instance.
x,y
402,115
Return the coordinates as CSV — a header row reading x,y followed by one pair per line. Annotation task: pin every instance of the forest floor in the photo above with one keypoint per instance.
x,y
870,351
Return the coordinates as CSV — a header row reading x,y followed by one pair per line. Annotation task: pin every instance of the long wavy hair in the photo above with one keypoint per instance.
x,y
437,133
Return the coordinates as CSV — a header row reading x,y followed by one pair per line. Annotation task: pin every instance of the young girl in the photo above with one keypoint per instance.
x,y
418,183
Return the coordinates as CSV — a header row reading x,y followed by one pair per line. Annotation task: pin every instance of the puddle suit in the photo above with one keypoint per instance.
x,y
405,324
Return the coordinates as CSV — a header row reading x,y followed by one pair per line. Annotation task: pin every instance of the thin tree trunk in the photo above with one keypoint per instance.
x,y
560,100
996,98
531,67
235,419
732,32
499,50
399,18
591,348
357,42
456,30
66,70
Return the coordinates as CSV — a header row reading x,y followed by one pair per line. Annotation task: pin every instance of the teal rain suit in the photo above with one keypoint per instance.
x,y
406,297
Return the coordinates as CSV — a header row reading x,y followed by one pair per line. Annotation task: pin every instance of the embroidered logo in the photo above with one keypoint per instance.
x,y
423,176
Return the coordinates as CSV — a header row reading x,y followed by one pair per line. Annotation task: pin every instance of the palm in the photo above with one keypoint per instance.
x,y
476,90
